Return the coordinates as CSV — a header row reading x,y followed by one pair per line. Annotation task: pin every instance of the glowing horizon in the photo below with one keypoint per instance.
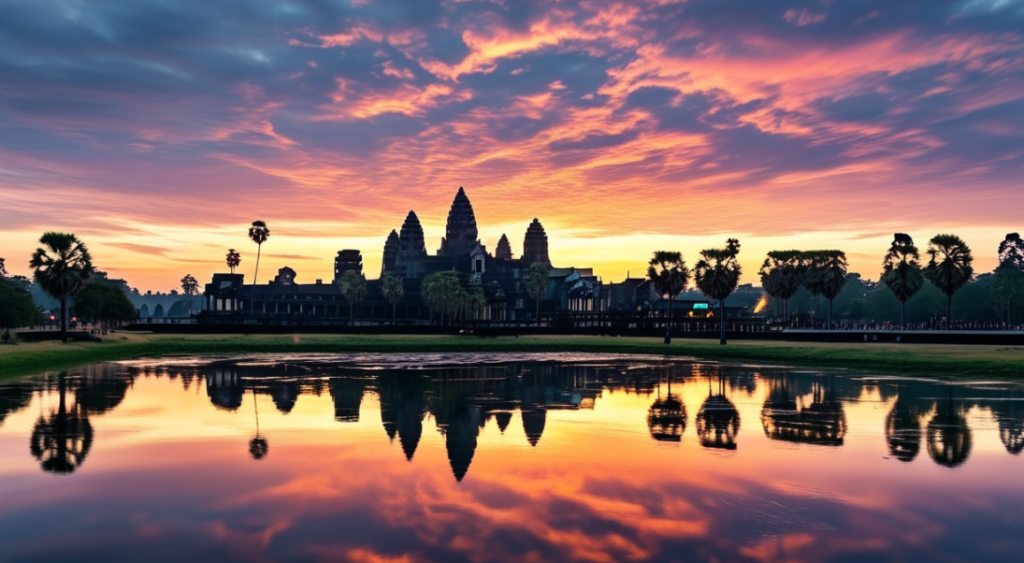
x,y
157,133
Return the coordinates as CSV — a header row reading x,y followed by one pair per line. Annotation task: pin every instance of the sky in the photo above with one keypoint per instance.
x,y
157,130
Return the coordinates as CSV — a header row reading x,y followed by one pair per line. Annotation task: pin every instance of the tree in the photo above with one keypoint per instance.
x,y
717,274
3,269
353,286
190,287
1008,280
812,262
233,259
901,272
782,275
16,307
62,267
537,283
393,289
103,302
832,277
669,276
949,267
441,292
258,233
62,441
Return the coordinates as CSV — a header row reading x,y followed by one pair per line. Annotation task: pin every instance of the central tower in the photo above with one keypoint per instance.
x,y
461,234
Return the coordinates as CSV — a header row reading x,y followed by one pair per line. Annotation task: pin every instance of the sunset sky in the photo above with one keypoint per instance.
x,y
157,130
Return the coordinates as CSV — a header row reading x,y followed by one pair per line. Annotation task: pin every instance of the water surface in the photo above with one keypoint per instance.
x,y
505,458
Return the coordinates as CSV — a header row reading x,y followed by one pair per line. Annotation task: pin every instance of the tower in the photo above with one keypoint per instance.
x,y
410,241
347,260
391,247
535,247
461,233
504,249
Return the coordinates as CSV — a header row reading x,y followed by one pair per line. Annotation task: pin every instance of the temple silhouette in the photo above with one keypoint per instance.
x,y
500,275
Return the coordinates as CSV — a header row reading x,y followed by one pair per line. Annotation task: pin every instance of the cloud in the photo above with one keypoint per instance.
x,y
197,115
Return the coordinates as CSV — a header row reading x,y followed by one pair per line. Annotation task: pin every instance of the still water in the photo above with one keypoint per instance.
x,y
505,458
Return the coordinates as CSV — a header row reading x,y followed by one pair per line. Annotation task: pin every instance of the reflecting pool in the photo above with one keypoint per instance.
x,y
547,457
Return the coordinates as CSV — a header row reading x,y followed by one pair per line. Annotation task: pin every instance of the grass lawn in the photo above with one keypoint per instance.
x,y
897,359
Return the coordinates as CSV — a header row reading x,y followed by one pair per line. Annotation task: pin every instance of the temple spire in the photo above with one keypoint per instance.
x,y
461,233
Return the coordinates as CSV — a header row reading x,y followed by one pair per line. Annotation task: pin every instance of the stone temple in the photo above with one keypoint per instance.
x,y
501,276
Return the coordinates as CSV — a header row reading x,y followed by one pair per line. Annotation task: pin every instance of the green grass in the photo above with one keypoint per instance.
x,y
916,359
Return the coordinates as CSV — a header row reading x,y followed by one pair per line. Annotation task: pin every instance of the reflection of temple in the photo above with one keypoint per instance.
x,y
224,387
822,423
347,394
500,276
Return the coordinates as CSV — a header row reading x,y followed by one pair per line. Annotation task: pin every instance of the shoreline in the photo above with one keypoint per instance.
x,y
969,361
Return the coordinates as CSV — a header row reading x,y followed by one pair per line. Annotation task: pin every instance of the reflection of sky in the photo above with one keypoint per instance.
x,y
169,476
625,126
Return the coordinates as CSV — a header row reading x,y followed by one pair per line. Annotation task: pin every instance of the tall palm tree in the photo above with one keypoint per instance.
x,y
833,277
669,275
62,267
233,259
782,276
813,263
949,267
258,233
902,273
394,291
353,286
717,274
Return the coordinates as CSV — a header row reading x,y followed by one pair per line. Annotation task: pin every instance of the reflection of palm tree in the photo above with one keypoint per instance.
x,y
903,427
718,421
822,423
258,446
949,437
62,442
666,418
1009,415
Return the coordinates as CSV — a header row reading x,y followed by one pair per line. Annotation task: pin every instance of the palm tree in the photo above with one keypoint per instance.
x,y
233,259
949,267
353,286
258,233
62,267
441,293
537,283
394,291
717,274
833,277
812,262
901,272
669,276
1008,281
190,287
782,276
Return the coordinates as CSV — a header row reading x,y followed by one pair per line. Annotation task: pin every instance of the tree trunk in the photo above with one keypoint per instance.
x,y
949,311
903,315
668,323
252,298
537,320
394,314
351,311
64,318
829,317
721,320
